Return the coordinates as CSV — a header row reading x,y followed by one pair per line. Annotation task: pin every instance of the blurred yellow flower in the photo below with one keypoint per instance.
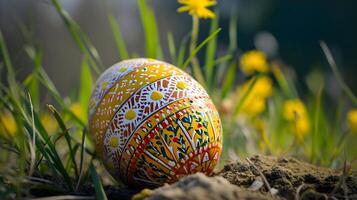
x,y
49,122
255,101
294,109
7,123
296,114
254,61
352,120
76,110
198,8
253,105
263,87
301,127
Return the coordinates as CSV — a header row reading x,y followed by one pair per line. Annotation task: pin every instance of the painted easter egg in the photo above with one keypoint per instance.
x,y
152,123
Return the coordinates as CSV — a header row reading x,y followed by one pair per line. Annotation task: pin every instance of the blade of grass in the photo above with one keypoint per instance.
x,y
48,150
46,154
211,52
45,80
83,143
9,68
182,51
99,190
337,73
245,95
67,136
80,38
283,83
195,63
68,160
85,89
172,47
34,85
222,59
15,100
218,75
118,37
337,119
27,30
197,73
152,42
228,80
199,47
316,135
14,97
32,144
6,58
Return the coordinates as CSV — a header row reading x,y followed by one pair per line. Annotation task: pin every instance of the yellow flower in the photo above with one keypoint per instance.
x,y
263,87
76,110
255,101
198,8
352,120
7,123
253,61
49,122
294,109
301,127
253,105
296,114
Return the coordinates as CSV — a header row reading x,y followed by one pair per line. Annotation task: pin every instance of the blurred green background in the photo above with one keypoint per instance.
x,y
290,30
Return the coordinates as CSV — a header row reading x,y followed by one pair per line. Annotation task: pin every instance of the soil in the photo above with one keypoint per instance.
x,y
292,179
199,186
259,177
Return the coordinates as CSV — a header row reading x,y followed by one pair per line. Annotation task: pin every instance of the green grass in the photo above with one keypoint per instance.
x,y
67,155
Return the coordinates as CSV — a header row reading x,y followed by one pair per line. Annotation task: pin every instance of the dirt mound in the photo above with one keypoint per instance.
x,y
291,178
199,186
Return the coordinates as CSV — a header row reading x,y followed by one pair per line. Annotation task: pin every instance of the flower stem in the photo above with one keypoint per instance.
x,y
195,63
194,34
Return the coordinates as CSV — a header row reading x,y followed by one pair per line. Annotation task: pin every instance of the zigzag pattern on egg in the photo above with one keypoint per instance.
x,y
152,123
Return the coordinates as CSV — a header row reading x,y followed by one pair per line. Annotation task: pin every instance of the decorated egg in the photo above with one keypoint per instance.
x,y
152,123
